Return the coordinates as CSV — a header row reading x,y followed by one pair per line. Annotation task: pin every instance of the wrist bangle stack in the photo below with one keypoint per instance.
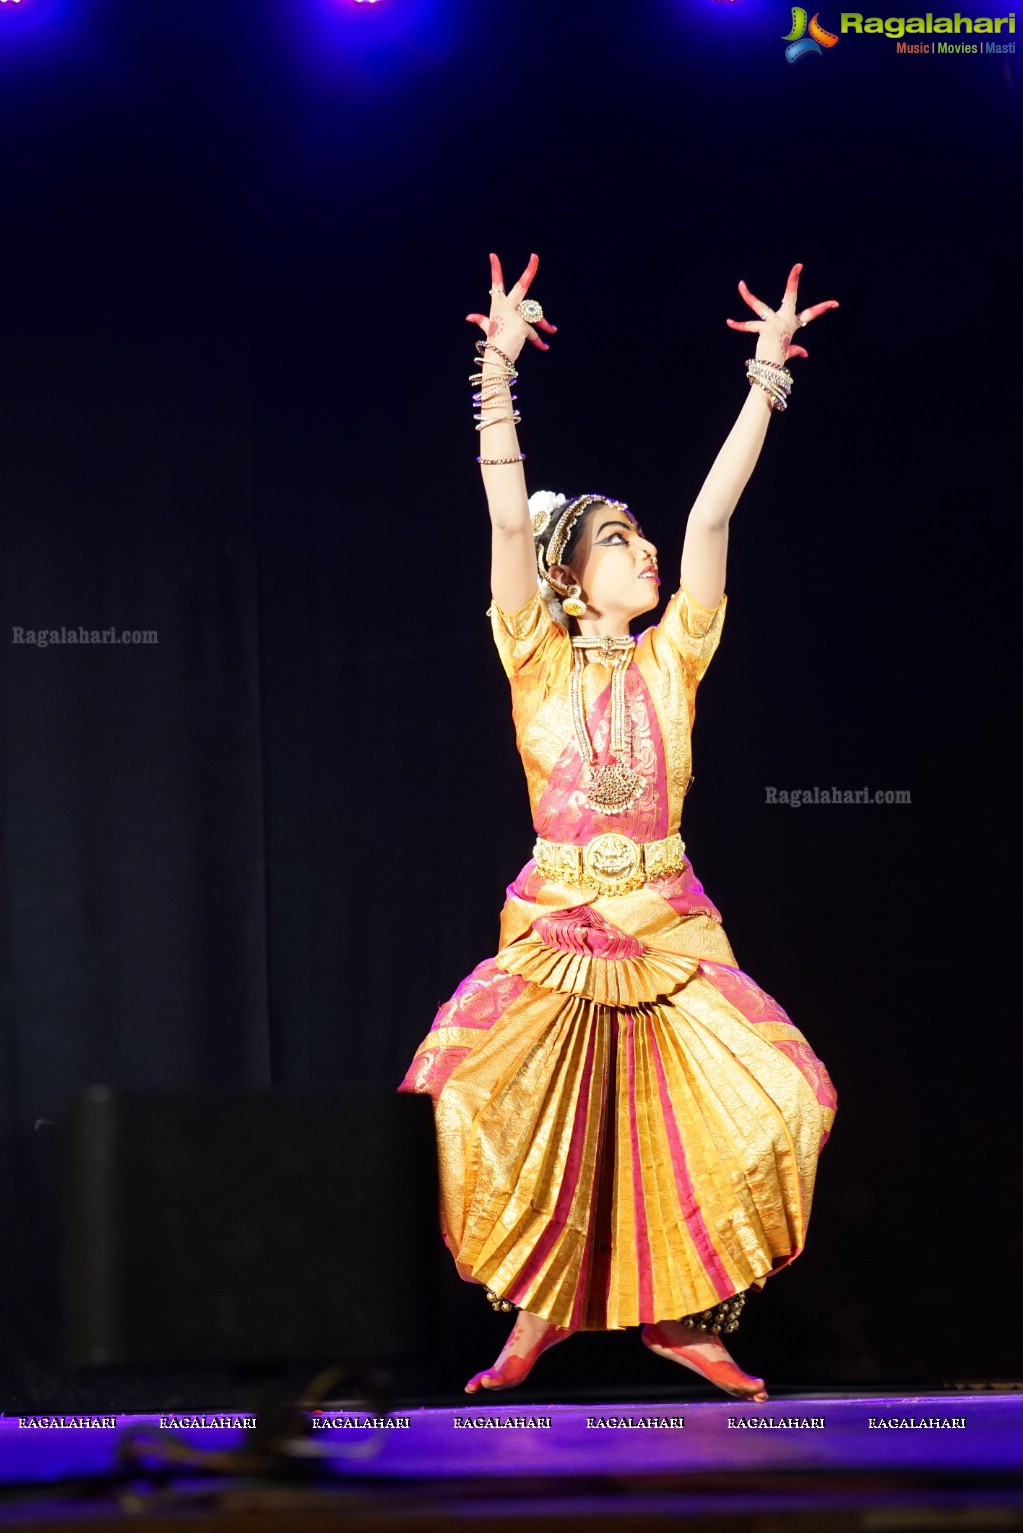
x,y
494,389
773,378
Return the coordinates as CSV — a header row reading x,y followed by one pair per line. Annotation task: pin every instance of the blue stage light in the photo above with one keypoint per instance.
x,y
336,38
43,27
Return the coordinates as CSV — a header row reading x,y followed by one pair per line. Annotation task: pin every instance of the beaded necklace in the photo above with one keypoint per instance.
x,y
614,787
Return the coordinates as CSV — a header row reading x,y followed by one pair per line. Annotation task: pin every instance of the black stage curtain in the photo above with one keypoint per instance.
x,y
261,849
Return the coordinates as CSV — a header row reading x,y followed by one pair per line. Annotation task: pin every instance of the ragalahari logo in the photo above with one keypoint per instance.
x,y
798,43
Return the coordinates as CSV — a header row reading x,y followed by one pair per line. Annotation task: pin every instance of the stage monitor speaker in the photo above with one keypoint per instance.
x,y
255,1228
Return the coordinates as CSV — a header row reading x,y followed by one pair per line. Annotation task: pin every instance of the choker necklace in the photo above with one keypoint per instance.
x,y
615,787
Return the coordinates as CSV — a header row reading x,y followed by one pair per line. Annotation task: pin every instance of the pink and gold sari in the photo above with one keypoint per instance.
x,y
627,1125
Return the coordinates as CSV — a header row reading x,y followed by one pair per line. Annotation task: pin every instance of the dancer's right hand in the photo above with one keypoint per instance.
x,y
504,324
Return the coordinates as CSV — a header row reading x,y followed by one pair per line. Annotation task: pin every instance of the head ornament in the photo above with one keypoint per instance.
x,y
542,504
542,507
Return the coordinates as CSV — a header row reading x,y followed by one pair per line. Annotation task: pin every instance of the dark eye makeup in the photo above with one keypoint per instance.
x,y
630,527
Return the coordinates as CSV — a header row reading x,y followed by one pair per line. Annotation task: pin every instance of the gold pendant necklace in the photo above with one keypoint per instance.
x,y
615,787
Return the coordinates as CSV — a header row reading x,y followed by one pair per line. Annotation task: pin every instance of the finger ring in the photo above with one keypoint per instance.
x,y
494,290
800,320
530,311
765,314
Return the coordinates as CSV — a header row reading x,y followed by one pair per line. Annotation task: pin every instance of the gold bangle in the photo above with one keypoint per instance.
x,y
781,376
775,402
494,462
482,346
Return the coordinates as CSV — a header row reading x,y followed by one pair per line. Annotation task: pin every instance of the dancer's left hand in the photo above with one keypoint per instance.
x,y
777,326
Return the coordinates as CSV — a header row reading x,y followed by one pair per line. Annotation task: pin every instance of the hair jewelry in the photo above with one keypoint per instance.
x,y
570,594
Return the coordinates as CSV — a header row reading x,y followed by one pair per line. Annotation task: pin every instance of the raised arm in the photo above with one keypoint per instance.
x,y
513,556
705,550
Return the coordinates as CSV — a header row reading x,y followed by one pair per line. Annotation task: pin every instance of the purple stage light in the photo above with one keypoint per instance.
x,y
372,46
57,26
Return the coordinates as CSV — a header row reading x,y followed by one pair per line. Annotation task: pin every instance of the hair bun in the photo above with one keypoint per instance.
x,y
542,505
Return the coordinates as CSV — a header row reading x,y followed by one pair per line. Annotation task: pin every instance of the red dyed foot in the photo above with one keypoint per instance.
x,y
530,1336
706,1354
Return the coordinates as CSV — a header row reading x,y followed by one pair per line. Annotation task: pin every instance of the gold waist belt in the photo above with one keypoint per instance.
x,y
613,863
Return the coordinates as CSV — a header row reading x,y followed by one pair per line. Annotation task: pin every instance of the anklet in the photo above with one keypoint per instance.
x,y
502,1305
723,1317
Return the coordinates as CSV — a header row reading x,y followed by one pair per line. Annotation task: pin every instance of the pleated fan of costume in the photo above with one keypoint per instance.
x,y
627,1125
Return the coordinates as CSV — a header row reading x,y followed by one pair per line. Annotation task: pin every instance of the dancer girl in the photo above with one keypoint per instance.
x,y
628,1127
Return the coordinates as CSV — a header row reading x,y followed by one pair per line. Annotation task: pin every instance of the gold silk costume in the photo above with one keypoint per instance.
x,y
627,1125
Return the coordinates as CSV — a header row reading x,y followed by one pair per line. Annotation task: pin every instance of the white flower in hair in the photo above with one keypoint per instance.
x,y
542,504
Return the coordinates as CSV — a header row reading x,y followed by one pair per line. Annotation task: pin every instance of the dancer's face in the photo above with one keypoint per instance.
x,y
616,566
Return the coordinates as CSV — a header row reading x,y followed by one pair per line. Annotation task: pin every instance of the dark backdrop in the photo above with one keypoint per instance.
x,y
238,246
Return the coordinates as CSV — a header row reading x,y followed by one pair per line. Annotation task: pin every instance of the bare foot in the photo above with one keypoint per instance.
x,y
706,1354
530,1336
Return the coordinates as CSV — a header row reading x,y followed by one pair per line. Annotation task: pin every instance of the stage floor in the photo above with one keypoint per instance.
x,y
801,1456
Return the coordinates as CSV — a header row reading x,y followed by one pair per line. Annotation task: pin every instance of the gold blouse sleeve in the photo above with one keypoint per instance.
x,y
525,638
692,631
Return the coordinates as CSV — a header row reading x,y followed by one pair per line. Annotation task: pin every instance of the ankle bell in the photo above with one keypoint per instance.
x,y
497,1303
721,1319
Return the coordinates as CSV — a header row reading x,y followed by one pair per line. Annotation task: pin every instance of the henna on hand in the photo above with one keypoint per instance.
x,y
504,325
780,323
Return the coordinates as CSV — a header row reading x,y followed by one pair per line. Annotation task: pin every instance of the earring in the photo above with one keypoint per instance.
x,y
572,605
